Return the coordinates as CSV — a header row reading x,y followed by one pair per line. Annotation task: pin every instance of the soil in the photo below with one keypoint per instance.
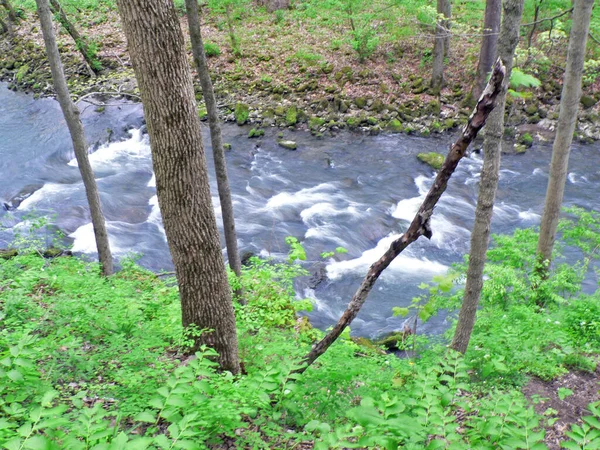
x,y
585,387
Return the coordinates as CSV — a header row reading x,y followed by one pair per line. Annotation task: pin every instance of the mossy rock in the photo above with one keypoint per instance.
x,y
377,105
353,122
391,341
588,101
256,132
526,140
8,253
368,344
291,116
531,110
372,121
520,149
269,113
327,68
54,252
241,113
360,102
280,111
290,145
433,107
425,132
435,160
449,124
227,146
314,123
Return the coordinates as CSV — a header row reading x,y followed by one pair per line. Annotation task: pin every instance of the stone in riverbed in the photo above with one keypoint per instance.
x,y
435,160
290,145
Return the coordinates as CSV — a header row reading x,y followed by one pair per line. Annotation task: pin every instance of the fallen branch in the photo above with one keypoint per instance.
x,y
420,225
594,38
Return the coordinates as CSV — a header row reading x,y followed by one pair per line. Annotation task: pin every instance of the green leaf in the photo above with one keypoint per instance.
x,y
145,416
37,442
15,375
399,311
564,393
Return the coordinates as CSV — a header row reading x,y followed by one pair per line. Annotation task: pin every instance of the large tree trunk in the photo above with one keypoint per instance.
x,y
158,55
79,40
491,27
215,136
420,225
439,49
567,118
492,148
80,146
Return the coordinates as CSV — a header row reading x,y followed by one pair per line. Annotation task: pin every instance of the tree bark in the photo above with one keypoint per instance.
x,y
4,28
80,146
447,12
567,118
439,52
420,225
492,149
80,41
159,60
215,136
491,27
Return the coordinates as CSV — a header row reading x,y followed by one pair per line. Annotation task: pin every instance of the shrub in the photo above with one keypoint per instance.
x,y
211,49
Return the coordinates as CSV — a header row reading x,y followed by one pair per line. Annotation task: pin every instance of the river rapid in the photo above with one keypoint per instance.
x,y
357,192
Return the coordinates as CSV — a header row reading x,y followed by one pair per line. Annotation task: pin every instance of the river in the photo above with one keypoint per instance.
x,y
357,192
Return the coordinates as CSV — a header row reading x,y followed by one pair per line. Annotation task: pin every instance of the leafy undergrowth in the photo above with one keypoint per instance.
x,y
93,363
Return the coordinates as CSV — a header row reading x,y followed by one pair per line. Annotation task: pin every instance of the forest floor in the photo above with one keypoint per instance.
x,y
299,68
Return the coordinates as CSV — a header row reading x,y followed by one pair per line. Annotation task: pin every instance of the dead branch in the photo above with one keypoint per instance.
x,y
420,225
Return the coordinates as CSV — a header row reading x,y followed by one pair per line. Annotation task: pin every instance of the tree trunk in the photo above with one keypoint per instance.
x,y
491,27
4,28
420,225
447,12
567,117
439,47
215,136
492,149
12,15
72,117
158,55
79,40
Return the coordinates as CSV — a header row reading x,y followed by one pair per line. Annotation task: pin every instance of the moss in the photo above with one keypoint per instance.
x,y
526,140
8,253
256,132
360,102
291,116
435,160
588,101
22,72
395,126
531,110
279,111
449,124
241,113
520,148
290,145
353,122
314,123
372,121
227,146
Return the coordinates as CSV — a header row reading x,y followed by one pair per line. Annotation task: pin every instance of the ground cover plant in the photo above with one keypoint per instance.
x,y
90,362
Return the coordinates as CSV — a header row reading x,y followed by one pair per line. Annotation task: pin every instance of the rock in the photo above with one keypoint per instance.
x,y
227,146
291,116
290,145
246,257
7,253
526,140
368,344
327,68
314,123
360,102
53,252
520,148
241,113
588,101
256,132
353,122
434,159
531,110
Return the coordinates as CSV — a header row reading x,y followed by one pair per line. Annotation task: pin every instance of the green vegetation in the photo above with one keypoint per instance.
x,y
435,160
89,362
211,49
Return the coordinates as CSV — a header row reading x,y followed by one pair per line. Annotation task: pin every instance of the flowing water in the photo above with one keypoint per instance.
x,y
357,192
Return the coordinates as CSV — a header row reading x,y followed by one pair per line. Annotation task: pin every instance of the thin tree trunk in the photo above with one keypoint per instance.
x,y
420,225
491,27
80,41
437,72
536,13
447,12
492,149
235,44
157,50
12,15
72,117
565,128
215,136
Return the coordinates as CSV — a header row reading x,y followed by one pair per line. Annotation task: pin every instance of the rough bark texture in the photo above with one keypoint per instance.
x,y
215,136
420,225
80,146
439,52
158,55
487,55
567,118
80,41
492,149
447,12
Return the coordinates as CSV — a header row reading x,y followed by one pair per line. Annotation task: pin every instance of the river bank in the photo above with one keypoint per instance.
x,y
274,84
